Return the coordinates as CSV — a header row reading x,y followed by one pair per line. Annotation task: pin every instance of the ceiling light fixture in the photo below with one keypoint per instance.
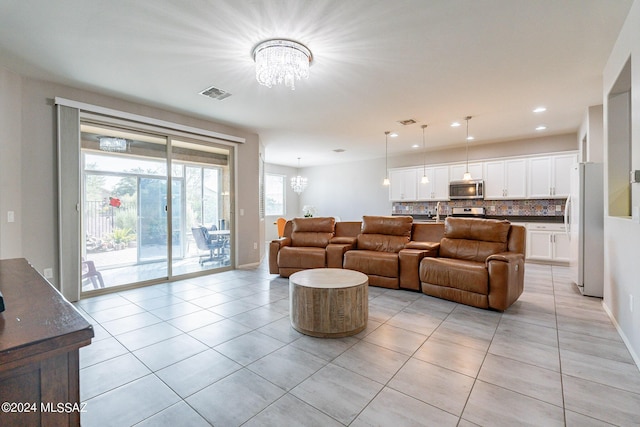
x,y
298,183
386,159
281,62
540,110
425,178
455,124
541,127
467,175
112,144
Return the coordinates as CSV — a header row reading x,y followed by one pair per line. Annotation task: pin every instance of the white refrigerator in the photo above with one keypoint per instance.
x,y
584,218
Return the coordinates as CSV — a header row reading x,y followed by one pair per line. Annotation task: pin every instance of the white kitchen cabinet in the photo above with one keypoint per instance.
x,y
549,176
456,172
403,185
438,186
505,179
547,242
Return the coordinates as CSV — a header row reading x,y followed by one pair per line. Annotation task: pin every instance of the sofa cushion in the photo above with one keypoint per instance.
x,y
312,232
465,275
391,225
372,262
471,250
381,242
488,230
308,257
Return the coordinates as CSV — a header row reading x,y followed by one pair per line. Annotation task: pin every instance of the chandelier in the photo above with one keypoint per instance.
x,y
113,144
298,183
281,62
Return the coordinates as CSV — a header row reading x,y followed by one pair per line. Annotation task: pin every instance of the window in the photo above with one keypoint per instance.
x,y
274,194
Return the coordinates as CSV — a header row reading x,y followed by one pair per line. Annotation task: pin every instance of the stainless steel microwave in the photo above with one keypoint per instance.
x,y
464,190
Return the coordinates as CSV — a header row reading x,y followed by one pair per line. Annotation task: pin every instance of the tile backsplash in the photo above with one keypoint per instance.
x,y
534,207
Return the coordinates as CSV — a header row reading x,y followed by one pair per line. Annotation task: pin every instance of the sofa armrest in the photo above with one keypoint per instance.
x,y
505,257
409,264
335,253
425,246
343,240
274,248
506,279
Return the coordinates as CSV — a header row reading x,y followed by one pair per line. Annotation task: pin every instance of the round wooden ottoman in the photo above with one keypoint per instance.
x,y
329,302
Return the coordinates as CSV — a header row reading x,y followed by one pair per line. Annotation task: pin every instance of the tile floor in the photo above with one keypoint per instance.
x,y
219,350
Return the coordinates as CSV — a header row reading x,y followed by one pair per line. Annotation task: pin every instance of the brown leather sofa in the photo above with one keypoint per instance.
x,y
480,262
302,247
377,249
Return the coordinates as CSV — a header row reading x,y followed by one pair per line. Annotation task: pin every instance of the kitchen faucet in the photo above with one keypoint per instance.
x,y
438,212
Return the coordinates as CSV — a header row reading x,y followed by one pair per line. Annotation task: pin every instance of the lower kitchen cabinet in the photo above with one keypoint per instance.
x,y
547,242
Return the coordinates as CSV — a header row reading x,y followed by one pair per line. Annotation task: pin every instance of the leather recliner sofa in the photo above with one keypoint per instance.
x,y
377,249
480,262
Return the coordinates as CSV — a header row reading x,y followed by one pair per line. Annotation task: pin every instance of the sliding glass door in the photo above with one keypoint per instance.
x,y
138,230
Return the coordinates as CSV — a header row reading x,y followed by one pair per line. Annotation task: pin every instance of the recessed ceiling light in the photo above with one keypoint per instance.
x,y
541,127
455,124
540,110
470,138
415,146
393,134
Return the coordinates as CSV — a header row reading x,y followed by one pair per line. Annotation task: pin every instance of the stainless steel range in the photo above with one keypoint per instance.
x,y
468,212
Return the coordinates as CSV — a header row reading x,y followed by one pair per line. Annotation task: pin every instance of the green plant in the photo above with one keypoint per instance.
x,y
122,235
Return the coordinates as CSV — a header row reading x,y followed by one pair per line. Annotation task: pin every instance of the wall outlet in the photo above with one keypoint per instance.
x,y
492,208
48,273
255,245
11,216
558,208
631,303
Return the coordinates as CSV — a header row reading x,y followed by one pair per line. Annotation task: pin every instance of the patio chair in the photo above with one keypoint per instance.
x,y
89,272
204,242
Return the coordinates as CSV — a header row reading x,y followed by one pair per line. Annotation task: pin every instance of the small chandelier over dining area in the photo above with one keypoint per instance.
x,y
112,144
280,61
298,183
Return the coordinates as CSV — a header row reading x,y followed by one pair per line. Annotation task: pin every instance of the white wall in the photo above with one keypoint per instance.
x,y
622,235
29,173
10,159
347,190
591,129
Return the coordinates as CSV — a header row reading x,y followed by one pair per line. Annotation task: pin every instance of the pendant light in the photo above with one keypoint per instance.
x,y
467,175
386,181
425,178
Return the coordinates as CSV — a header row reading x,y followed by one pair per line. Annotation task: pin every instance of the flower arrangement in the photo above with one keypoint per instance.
x,y
308,211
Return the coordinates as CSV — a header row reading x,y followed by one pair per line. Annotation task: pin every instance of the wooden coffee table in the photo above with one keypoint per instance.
x,y
329,302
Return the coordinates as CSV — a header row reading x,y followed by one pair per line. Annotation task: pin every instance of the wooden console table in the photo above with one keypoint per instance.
x,y
40,334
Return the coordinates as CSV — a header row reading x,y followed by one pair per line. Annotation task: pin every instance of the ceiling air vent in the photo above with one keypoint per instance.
x,y
215,93
407,122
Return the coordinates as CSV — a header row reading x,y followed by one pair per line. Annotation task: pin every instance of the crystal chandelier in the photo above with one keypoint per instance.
x,y
281,62
298,183
113,144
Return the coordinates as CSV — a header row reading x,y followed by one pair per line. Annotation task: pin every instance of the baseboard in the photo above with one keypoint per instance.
x,y
635,357
248,266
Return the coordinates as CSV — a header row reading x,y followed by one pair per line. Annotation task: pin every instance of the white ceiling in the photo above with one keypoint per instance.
x,y
375,62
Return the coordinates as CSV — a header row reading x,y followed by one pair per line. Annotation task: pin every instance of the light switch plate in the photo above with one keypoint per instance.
x,y
635,214
11,216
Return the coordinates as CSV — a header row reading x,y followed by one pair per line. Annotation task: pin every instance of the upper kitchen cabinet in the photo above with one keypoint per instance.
x,y
403,184
457,171
505,179
438,186
549,176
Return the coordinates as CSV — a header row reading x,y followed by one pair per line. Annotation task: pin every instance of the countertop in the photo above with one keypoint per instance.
x,y
510,218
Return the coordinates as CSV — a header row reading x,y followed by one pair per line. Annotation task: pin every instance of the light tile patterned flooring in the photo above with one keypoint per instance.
x,y
219,350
